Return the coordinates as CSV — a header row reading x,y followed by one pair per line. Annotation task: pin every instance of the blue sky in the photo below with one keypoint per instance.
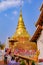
x,y
9,14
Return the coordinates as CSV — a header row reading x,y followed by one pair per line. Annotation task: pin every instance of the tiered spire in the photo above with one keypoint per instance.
x,y
21,30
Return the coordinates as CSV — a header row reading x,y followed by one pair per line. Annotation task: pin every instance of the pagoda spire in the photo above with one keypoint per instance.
x,y
21,29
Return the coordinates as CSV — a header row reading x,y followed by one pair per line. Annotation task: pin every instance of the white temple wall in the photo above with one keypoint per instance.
x,y
7,43
40,45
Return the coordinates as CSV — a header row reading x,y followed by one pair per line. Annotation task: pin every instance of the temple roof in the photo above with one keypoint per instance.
x,y
41,7
36,34
40,19
21,29
39,25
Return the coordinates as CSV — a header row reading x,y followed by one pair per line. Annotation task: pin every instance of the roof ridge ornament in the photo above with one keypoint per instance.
x,y
41,8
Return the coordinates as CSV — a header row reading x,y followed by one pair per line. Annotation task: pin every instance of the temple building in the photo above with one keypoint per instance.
x,y
21,38
21,43
38,35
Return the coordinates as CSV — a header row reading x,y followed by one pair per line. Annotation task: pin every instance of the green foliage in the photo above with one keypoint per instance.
x,y
22,62
33,63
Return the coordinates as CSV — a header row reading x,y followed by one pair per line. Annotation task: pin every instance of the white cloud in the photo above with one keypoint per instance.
x,y
5,4
15,12
30,1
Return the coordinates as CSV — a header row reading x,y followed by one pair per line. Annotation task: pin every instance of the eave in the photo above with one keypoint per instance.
x,y
36,34
40,19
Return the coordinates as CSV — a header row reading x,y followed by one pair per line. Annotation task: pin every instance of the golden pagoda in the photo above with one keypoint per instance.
x,y
20,39
21,29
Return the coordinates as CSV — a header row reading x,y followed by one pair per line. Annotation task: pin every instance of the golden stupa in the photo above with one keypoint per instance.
x,y
20,39
21,29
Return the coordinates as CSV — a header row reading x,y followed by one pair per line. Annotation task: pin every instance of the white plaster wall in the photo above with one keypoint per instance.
x,y
40,45
7,43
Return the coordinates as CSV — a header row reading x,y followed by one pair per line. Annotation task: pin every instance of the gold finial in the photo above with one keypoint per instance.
x,y
20,9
